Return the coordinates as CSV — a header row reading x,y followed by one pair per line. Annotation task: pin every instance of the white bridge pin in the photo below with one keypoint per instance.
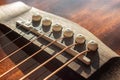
x,y
80,38
46,22
36,17
92,45
57,27
68,32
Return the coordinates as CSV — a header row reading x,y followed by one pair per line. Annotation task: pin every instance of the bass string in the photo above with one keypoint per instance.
x,y
47,61
14,30
16,39
23,61
10,31
64,65
15,52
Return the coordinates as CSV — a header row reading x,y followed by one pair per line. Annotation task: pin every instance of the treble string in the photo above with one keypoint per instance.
x,y
14,52
64,65
41,65
29,57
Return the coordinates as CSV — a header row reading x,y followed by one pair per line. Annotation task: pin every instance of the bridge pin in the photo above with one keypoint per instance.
x,y
92,45
57,27
36,17
46,22
80,39
68,33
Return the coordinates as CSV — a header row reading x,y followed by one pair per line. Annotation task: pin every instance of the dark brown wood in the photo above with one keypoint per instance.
x,y
101,31
7,64
101,17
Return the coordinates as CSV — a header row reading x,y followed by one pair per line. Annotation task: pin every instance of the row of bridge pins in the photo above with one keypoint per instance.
x,y
67,33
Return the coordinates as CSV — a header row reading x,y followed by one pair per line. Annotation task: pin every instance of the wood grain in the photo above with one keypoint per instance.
x,y
7,64
100,57
96,16
101,17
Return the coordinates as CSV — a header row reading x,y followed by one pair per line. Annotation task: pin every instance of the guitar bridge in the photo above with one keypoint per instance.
x,y
65,35
38,32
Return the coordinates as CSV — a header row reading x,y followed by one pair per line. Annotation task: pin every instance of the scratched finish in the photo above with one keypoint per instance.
x,y
101,17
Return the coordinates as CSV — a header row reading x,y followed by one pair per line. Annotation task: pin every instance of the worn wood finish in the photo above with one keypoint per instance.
x,y
102,50
101,17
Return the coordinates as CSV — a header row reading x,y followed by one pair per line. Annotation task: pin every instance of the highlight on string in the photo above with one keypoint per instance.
x,y
91,46
67,33
64,65
9,32
12,29
41,65
22,35
14,52
29,57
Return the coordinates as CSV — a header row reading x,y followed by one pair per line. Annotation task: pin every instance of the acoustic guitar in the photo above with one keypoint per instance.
x,y
37,45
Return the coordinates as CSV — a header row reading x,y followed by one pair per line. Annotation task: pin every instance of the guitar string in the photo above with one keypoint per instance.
x,y
24,46
9,31
29,57
64,65
44,63
12,30
16,38
14,52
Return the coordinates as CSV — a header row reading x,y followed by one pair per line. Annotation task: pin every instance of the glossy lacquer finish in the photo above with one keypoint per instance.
x,y
101,17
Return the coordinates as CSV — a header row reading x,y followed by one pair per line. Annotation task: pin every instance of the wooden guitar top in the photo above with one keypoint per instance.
x,y
86,65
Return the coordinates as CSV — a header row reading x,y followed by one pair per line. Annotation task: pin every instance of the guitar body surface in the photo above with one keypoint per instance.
x,y
37,45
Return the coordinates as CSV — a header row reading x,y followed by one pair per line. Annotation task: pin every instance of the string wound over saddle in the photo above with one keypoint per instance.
x,y
66,33
45,44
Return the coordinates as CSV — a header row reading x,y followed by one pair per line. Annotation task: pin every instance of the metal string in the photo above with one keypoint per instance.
x,y
41,65
16,39
29,57
14,52
64,65
9,31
